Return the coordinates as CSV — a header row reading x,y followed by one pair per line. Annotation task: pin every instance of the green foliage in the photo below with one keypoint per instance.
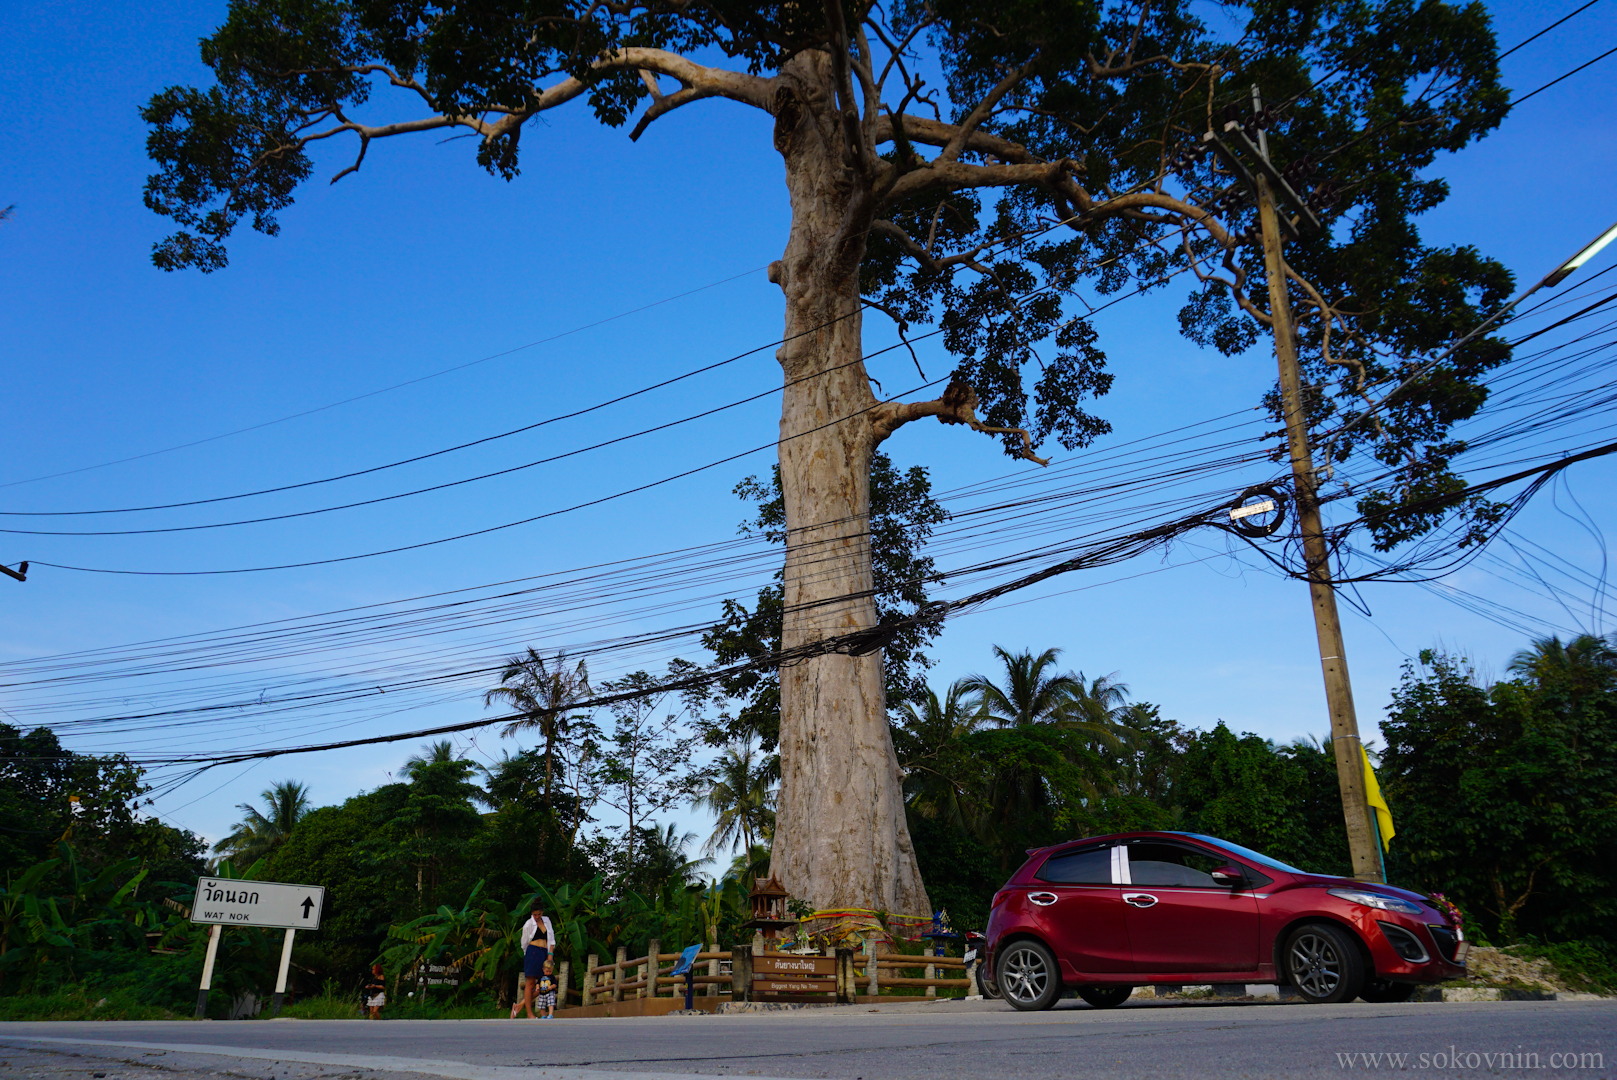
x,y
1268,798
1107,98
37,778
903,514
739,791
1511,789
1505,797
90,1001
1586,966
261,831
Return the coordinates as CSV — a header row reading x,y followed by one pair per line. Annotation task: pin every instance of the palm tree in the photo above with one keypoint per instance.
x,y
742,797
1059,706
923,740
1584,659
662,860
260,832
433,754
747,867
1098,708
541,692
1032,694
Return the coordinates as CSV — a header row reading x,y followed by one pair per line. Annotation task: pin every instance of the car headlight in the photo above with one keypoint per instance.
x,y
1379,901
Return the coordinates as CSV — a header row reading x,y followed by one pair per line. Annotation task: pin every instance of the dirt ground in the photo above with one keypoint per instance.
x,y
1492,967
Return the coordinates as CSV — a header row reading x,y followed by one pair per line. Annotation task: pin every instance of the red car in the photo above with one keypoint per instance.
x,y
1104,915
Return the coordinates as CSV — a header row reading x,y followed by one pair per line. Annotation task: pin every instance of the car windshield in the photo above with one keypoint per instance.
x,y
1246,853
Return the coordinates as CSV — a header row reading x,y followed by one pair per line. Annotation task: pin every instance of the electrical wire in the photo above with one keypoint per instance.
x,y
388,389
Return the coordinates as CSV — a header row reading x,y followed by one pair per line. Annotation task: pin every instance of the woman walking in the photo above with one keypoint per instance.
x,y
538,939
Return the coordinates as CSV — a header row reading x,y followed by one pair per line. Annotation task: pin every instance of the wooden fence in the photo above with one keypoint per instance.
x,y
840,975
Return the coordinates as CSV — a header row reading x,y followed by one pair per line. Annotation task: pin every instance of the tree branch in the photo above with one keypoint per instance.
x,y
983,111
958,405
701,81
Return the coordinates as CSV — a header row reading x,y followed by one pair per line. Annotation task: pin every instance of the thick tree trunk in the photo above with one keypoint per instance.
x,y
840,836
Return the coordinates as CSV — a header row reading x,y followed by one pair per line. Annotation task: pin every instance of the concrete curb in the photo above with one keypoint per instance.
x,y
1498,993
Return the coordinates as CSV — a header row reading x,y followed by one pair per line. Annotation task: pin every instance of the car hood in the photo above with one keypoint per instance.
x,y
1324,881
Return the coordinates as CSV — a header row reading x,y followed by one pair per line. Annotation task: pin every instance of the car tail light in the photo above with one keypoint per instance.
x,y
999,898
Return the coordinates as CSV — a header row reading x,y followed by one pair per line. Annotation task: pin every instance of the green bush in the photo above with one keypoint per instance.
x,y
1585,966
85,1002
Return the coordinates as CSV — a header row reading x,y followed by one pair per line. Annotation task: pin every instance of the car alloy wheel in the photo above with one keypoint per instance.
x,y
1105,997
1027,977
1324,965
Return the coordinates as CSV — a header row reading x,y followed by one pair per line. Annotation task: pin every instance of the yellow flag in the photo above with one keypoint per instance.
x,y
1378,805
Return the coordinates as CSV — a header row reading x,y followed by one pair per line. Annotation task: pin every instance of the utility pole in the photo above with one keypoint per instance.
x,y
1316,554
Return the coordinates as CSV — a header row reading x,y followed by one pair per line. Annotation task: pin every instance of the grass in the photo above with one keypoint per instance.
x,y
336,1005
1581,965
81,1003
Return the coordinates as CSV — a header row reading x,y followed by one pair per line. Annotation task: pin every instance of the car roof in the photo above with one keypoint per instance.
x,y
1114,837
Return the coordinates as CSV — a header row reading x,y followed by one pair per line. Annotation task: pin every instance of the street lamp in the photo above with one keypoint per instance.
x,y
1589,251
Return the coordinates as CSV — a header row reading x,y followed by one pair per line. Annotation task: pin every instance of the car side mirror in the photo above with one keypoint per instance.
x,y
1230,876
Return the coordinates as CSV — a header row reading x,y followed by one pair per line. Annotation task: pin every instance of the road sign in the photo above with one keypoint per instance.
x,y
258,903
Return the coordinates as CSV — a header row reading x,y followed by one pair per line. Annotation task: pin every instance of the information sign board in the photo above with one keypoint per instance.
x,y
258,903
794,965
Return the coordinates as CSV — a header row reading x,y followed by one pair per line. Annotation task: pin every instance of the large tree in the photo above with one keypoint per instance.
x,y
1061,147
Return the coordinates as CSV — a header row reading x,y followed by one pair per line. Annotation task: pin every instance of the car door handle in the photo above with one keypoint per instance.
x,y
1043,899
1139,899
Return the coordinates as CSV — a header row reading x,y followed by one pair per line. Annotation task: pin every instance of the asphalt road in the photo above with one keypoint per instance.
x,y
893,1042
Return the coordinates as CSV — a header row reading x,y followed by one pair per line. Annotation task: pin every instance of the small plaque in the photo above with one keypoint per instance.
x,y
794,986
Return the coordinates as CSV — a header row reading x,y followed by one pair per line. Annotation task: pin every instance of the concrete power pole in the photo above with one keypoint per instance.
x,y
1316,554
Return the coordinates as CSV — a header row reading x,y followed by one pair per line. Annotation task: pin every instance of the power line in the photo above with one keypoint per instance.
x,y
389,389
1562,78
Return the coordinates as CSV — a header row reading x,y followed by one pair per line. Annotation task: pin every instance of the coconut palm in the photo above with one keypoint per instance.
x,y
432,754
1050,724
661,860
742,797
1098,708
260,832
925,738
541,692
1583,660
747,867
1033,693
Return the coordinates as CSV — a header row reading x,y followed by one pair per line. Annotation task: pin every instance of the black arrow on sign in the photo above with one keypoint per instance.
x,y
308,904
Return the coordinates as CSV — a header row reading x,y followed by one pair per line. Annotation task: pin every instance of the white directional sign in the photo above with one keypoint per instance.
x,y
258,903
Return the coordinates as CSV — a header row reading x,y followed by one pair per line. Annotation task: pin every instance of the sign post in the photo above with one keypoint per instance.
x,y
225,902
280,978
207,970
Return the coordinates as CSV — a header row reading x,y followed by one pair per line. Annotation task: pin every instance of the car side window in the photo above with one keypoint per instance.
x,y
1089,867
1169,864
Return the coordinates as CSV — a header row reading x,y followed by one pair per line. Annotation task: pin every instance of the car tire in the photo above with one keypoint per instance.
x,y
985,985
1027,977
1323,964
1383,991
1105,997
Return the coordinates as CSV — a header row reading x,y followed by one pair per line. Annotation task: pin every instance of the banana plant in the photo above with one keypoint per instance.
x,y
578,915
13,906
423,940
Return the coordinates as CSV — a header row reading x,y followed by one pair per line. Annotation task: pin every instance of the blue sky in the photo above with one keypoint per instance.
x,y
422,262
